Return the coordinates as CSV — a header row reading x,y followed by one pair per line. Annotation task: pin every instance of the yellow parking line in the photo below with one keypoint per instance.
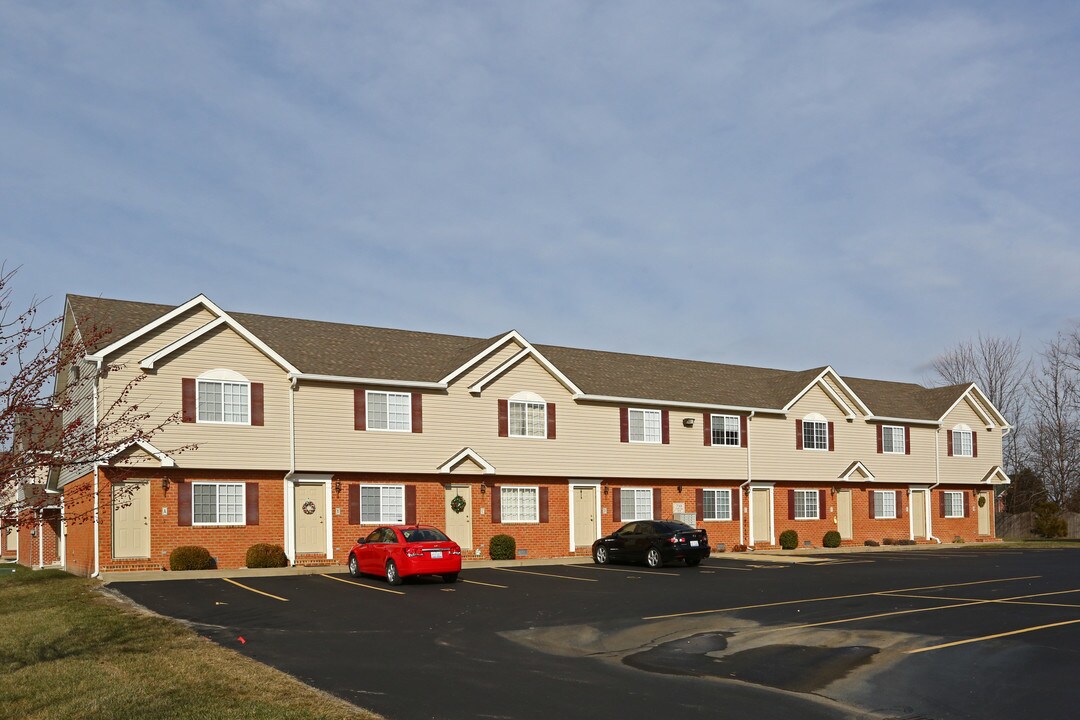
x,y
836,597
1006,602
369,587
564,577
477,582
725,567
258,592
992,637
631,571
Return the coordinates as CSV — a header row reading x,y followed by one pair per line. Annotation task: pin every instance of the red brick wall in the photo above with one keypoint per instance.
x,y
28,544
35,551
967,528
79,511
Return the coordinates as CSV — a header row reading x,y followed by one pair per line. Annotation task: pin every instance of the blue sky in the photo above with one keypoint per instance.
x,y
786,184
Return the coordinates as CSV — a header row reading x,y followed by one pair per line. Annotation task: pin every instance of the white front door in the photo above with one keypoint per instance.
x,y
984,502
131,520
459,524
310,514
584,516
761,516
843,514
918,514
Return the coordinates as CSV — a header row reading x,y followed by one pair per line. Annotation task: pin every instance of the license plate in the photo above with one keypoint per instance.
x,y
693,543
436,555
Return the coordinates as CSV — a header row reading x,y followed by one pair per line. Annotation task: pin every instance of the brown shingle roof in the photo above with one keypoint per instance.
x,y
326,348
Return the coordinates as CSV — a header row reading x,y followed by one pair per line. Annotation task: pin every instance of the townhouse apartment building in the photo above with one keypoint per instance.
x,y
308,434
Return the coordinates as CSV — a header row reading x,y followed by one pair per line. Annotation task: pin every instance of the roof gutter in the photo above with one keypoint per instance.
x,y
880,418
675,404
421,385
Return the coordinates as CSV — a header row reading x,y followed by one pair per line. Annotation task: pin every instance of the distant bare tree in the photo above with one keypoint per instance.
x,y
1000,369
1054,436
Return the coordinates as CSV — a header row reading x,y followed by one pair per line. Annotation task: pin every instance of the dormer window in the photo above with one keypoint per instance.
x,y
223,396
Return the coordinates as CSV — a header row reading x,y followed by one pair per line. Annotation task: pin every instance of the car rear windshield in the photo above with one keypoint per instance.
x,y
673,526
423,535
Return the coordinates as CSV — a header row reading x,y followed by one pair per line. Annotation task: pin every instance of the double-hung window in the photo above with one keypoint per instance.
x,y
884,504
892,439
221,401
382,504
717,504
636,503
217,504
815,433
528,419
954,504
519,504
389,411
644,427
806,504
725,430
961,442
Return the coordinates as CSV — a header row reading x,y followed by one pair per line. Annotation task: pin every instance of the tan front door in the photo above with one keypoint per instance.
x,y
459,524
310,519
584,516
131,520
12,539
918,514
761,509
984,511
843,514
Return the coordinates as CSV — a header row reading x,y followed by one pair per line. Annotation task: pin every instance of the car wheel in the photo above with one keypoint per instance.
x,y
354,566
449,578
693,562
600,555
392,575
652,558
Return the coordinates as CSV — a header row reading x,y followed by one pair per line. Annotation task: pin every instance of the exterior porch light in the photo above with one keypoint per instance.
x,y
337,485
688,422
165,484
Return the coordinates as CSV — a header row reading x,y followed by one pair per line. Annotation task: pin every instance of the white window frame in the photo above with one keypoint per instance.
x,y
884,494
815,419
217,504
724,422
524,404
959,433
384,519
816,505
388,394
892,432
507,518
636,491
199,405
717,516
644,428
959,497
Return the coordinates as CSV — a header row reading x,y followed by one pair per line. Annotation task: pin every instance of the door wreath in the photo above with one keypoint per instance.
x,y
982,501
308,508
457,504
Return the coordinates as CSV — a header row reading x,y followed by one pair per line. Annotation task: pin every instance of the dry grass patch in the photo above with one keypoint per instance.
x,y
67,651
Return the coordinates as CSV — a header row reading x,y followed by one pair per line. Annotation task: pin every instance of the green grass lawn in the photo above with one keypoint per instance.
x,y
67,651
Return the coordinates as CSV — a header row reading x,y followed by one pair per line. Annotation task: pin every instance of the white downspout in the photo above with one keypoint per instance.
x,y
40,543
749,477
930,490
97,520
290,551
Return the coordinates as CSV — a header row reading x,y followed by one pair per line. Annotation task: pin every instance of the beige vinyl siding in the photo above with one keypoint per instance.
x,y
81,402
969,469
772,441
918,467
219,446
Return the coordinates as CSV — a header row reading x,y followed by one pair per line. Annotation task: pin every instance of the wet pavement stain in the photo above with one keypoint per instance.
x,y
799,668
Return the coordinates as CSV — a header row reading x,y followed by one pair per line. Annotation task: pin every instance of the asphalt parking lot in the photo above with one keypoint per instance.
x,y
952,633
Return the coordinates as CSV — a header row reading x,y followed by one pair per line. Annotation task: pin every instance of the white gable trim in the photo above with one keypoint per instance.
x,y
528,351
148,448
996,472
820,379
857,465
981,401
147,363
483,354
467,454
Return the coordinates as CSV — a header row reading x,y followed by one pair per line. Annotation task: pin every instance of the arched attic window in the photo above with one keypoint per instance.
x,y
815,432
223,396
527,415
962,441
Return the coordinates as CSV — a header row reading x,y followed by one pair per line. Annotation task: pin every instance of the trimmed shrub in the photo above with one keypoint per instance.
x,y
831,539
738,548
190,557
502,547
887,541
871,543
905,541
1048,522
266,555
789,540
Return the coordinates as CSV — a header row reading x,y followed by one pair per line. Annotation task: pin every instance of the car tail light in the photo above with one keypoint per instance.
x,y
414,552
455,551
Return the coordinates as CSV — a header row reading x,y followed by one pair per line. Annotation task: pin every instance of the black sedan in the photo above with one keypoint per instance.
x,y
653,542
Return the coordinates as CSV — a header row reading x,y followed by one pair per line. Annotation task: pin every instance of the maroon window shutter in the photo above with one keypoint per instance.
x,y
699,500
543,502
948,435
790,504
657,505
665,429
417,412
832,435
551,421
256,404
251,503
941,504
822,508
744,430
967,504
504,418
706,424
907,440
183,500
974,444
870,496
616,504
880,442
410,504
496,504
798,434
899,504
624,424
736,503
359,409
354,504
188,385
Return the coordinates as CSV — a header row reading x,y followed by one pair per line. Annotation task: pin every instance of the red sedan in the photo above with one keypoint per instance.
x,y
398,551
